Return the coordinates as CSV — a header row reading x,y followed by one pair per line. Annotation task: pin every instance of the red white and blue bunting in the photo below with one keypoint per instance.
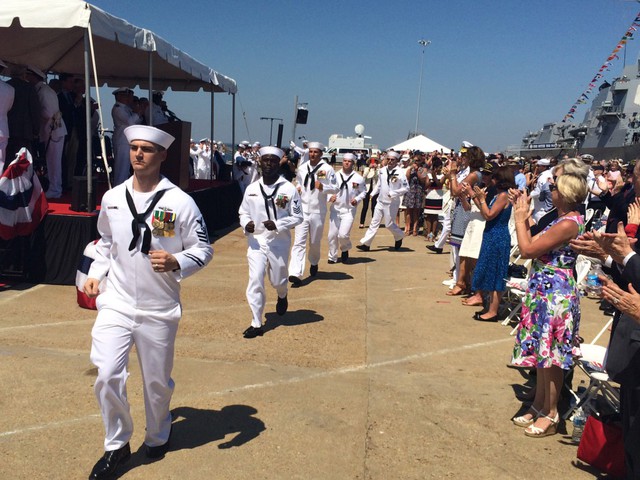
x,y
604,68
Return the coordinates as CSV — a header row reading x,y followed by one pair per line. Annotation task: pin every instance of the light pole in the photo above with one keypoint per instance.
x,y
424,44
271,129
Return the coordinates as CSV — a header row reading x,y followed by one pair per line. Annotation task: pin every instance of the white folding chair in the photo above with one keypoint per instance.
x,y
592,363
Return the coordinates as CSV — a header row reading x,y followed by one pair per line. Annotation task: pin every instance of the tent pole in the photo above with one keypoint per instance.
x,y
91,199
150,119
233,123
212,129
103,146
295,114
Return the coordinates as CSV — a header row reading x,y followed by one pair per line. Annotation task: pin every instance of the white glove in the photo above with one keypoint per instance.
x,y
292,144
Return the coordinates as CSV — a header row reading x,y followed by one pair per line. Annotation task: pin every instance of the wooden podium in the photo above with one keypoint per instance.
x,y
176,166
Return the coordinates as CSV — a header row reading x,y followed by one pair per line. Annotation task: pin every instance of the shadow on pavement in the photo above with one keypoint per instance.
x,y
291,319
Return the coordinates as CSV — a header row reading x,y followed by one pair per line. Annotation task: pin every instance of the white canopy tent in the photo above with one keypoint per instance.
x,y
71,36
422,143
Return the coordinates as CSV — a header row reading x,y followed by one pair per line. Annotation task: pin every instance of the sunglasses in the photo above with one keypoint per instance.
x,y
553,187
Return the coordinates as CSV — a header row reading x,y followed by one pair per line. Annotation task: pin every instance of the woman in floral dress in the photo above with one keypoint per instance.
x,y
547,334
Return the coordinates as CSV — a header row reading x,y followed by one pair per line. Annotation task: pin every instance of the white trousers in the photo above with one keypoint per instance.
x,y
203,169
310,229
446,230
153,334
266,259
55,149
388,212
339,232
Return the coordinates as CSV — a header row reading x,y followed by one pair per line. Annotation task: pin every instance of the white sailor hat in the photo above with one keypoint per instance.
x,y
545,162
256,144
466,144
349,156
204,140
245,143
149,134
36,71
317,145
241,145
393,154
122,90
271,151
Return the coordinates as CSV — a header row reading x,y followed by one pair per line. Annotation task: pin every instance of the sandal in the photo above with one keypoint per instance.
x,y
474,304
523,421
552,429
455,291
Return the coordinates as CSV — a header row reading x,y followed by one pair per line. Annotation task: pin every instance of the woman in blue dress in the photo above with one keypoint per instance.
x,y
493,261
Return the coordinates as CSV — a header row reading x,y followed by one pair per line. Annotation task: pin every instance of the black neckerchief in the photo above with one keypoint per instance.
x,y
139,222
311,178
270,198
390,174
345,183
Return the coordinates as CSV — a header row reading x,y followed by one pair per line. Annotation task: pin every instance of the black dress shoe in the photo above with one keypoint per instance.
x,y
434,249
490,319
108,464
282,305
157,452
345,256
313,271
295,281
331,262
253,332
397,245
363,248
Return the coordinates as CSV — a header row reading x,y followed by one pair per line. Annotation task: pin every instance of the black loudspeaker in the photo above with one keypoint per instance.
x,y
301,116
79,195
279,141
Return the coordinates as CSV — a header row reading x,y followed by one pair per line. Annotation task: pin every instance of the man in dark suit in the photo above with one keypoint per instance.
x,y
623,356
23,117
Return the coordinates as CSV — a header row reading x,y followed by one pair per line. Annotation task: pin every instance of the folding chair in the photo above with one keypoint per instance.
x,y
592,363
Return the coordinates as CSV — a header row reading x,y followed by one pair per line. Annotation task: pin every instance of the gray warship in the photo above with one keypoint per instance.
x,y
610,129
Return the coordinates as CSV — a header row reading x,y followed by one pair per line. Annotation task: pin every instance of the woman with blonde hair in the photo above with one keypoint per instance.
x,y
547,336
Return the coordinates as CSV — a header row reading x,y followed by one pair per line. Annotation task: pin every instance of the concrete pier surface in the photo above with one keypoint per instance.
x,y
374,373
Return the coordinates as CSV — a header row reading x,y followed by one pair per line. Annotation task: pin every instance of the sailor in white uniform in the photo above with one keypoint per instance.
x,y
203,165
303,151
270,208
343,207
123,116
244,168
154,109
392,185
52,129
316,181
152,237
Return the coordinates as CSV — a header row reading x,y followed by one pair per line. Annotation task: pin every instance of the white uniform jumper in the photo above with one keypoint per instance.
x,y
140,306
341,212
391,186
268,251
123,117
244,174
314,207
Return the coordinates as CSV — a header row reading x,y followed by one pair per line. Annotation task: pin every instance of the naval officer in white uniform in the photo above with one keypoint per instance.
x,y
123,116
343,205
152,236
392,185
316,181
270,209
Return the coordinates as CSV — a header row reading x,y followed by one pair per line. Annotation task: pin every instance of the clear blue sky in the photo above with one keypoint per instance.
x,y
493,71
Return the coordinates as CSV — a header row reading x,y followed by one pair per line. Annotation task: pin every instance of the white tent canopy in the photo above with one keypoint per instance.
x,y
422,143
49,34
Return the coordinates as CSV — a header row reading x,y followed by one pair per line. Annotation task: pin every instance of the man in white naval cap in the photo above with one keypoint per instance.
x,y
123,116
392,185
244,167
52,129
7,94
316,181
343,205
203,165
270,208
302,152
152,237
